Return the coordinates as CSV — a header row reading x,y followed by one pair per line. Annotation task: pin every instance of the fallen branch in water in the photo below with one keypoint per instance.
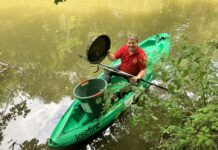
x,y
3,66
3,63
3,70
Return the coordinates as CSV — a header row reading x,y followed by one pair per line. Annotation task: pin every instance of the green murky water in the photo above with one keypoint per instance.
x,y
41,41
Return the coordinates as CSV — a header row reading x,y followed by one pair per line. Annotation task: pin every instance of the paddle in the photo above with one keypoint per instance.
x,y
98,50
123,73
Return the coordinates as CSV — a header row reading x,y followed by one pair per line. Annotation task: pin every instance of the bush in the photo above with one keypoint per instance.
x,y
189,118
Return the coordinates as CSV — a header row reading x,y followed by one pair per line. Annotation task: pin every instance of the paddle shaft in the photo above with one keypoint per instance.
x,y
123,73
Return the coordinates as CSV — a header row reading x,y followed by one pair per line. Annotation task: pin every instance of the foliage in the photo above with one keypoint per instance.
x,y
33,144
19,109
186,117
198,131
57,1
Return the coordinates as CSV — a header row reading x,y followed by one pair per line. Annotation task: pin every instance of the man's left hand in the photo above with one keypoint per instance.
x,y
133,80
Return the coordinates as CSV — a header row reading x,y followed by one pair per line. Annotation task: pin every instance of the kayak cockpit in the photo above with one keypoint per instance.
x,y
77,119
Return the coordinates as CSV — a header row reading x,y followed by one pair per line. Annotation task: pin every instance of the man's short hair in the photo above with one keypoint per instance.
x,y
133,37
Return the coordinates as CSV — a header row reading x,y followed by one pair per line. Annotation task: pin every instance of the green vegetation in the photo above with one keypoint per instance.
x,y
57,1
189,119
6,116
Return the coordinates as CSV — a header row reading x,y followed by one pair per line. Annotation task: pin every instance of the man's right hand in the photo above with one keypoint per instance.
x,y
111,56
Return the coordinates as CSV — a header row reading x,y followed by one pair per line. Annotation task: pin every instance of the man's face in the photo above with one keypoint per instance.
x,y
132,45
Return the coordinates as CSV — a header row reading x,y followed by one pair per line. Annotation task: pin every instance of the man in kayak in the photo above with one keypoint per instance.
x,y
133,60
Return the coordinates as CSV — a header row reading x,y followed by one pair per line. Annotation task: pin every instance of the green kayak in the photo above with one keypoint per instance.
x,y
76,125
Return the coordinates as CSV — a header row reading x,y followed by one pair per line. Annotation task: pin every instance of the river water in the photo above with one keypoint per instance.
x,y
41,41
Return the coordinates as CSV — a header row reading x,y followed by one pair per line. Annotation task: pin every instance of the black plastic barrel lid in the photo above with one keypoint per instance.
x,y
98,49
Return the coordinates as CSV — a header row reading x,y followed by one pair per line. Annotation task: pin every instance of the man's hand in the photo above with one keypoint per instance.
x,y
133,80
111,56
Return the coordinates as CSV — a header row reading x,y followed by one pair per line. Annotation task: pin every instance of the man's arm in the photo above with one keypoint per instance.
x,y
140,74
111,56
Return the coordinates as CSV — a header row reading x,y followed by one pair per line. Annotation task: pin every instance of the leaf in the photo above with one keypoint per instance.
x,y
57,1
154,117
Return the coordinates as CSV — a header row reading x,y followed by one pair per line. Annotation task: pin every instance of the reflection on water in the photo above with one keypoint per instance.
x,y
44,39
37,124
42,42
